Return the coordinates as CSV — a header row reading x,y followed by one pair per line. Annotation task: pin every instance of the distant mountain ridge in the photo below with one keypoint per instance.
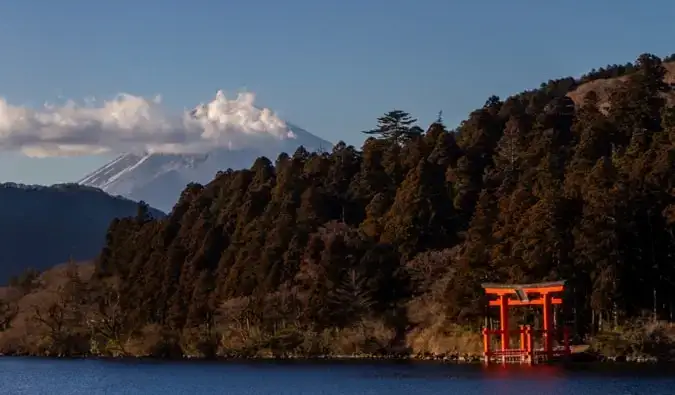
x,y
46,225
159,178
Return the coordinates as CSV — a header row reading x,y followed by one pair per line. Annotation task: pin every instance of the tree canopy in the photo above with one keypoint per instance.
x,y
526,189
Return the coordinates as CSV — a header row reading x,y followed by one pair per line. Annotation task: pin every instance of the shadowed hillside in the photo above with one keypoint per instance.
x,y
44,226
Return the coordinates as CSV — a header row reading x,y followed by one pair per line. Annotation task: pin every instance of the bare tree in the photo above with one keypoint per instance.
x,y
8,310
63,315
106,323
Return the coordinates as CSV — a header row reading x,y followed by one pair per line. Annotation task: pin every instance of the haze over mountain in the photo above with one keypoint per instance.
x,y
44,226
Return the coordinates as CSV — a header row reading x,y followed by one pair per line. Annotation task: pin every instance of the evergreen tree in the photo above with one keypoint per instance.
x,y
396,126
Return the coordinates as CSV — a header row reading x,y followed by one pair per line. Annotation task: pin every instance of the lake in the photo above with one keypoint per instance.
x,y
50,376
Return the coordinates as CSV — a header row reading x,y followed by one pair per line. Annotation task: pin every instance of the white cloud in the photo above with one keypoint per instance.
x,y
131,123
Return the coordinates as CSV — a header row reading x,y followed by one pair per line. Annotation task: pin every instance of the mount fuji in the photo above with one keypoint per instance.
x,y
159,178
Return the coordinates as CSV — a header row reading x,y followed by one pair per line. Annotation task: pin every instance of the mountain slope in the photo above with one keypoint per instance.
x,y
44,226
158,178
603,86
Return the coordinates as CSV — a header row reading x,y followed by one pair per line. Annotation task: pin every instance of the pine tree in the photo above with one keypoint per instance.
x,y
396,126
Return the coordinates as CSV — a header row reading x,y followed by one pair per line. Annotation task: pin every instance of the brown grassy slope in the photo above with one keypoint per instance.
x,y
604,86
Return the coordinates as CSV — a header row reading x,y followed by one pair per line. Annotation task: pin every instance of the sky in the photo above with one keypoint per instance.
x,y
331,67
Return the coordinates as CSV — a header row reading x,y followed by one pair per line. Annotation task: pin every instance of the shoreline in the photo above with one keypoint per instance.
x,y
576,359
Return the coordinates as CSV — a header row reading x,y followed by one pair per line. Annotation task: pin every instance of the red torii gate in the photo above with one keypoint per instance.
x,y
523,297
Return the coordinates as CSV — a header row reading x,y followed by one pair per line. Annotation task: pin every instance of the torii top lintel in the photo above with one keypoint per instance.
x,y
521,291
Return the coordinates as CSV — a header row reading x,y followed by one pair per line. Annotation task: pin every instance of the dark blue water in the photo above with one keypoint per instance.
x,y
45,376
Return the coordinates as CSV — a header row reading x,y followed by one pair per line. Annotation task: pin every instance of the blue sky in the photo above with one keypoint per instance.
x,y
329,66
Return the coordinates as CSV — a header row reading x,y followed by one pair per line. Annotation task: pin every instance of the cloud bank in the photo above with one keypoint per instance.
x,y
131,123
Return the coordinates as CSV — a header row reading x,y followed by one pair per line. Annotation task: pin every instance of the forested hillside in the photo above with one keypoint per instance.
x,y
385,248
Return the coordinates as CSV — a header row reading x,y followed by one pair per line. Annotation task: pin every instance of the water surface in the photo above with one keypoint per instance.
x,y
49,376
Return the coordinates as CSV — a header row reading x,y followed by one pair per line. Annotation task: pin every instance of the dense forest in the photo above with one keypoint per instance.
x,y
383,249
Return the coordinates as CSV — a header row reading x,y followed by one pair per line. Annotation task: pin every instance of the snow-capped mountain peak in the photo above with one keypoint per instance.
x,y
159,178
